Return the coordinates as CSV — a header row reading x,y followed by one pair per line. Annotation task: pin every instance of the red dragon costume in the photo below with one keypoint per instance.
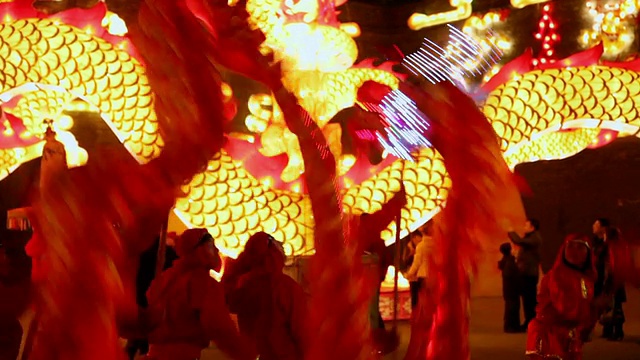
x,y
565,311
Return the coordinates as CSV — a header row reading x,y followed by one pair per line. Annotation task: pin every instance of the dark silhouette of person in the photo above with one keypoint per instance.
x,y
528,261
144,277
612,288
510,289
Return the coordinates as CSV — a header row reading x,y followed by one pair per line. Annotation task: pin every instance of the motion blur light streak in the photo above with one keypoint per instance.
x,y
408,126
464,57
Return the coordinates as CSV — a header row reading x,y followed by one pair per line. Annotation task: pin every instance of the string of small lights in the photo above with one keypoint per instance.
x,y
614,25
548,35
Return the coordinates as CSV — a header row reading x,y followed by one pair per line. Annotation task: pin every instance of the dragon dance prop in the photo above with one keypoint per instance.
x,y
526,105
483,198
87,221
336,269
407,127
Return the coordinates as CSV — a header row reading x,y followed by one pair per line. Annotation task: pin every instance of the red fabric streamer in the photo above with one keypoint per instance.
x,y
87,216
341,329
482,203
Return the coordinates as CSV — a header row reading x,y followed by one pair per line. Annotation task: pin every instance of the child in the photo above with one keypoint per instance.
x,y
566,309
510,290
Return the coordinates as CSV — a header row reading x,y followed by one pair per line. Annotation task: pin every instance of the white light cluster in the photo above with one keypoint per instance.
x,y
614,24
407,126
486,31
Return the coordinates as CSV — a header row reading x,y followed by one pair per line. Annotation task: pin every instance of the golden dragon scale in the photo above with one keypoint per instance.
x,y
46,52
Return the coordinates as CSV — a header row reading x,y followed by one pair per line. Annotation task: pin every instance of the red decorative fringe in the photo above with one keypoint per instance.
x,y
341,329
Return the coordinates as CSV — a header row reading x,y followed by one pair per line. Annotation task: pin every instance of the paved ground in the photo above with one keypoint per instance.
x,y
489,343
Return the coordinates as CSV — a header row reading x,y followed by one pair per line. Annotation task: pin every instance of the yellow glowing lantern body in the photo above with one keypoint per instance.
x,y
83,65
318,56
526,112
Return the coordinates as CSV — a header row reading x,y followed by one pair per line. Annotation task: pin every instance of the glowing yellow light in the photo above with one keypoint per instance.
x,y
389,280
136,127
114,24
64,122
19,153
322,77
267,181
296,188
217,276
227,91
352,29
613,25
310,9
346,162
519,4
485,31
462,10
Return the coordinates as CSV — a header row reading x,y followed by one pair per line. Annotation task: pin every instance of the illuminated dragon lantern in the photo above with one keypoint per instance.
x,y
323,75
237,194
74,52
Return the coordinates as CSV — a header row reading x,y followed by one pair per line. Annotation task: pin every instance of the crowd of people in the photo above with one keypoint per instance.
x,y
253,310
257,310
184,308
580,290
561,311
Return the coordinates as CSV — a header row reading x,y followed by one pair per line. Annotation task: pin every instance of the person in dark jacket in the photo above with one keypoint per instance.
x,y
600,252
146,274
510,289
612,288
188,306
410,253
528,261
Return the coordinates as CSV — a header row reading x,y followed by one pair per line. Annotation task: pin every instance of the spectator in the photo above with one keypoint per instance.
x,y
528,261
510,290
